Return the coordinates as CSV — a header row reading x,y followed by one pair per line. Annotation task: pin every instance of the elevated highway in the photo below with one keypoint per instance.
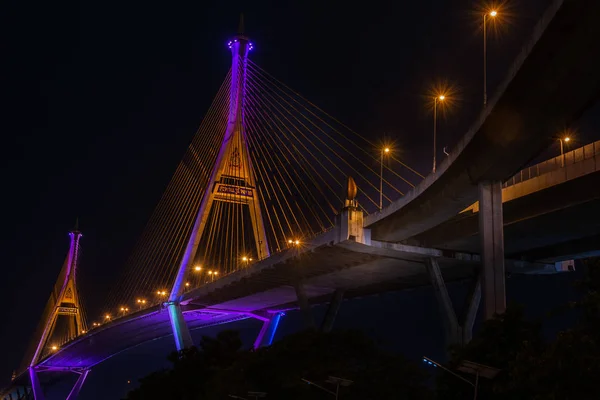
x,y
551,83
551,210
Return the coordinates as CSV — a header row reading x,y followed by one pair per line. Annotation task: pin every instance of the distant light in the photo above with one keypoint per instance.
x,y
210,272
83,331
216,273
197,268
297,242
107,316
387,150
244,258
187,284
54,348
567,139
249,259
122,308
493,13
290,241
442,97
128,382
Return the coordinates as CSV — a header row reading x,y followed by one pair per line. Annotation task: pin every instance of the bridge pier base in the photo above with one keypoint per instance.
x,y
38,393
181,332
267,331
78,385
491,231
332,310
458,333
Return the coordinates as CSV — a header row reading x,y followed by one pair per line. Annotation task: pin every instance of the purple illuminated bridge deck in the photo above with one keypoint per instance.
x,y
322,266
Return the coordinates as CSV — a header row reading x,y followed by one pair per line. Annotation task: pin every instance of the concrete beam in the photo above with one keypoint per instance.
x,y
309,320
181,332
78,385
472,306
491,230
451,325
267,331
38,393
457,332
332,310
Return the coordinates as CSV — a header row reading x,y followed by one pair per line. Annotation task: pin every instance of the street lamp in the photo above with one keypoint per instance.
x,y
566,139
255,395
492,14
333,380
436,99
468,367
384,151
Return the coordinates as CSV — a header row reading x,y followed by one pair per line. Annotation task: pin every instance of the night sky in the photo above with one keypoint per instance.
x,y
101,98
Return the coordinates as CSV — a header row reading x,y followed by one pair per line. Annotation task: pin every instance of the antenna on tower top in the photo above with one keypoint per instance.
x,y
241,25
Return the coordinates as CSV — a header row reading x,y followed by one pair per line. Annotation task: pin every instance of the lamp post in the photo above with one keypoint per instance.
x,y
492,14
562,150
384,151
333,380
439,98
468,367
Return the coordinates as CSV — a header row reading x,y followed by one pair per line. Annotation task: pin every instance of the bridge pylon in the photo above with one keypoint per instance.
x,y
232,180
64,302
62,320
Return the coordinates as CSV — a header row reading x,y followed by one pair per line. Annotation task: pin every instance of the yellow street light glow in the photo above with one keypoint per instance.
x,y
290,241
441,97
387,150
197,268
493,13
210,272
187,284
567,139
143,301
249,259
107,316
244,258
54,348
216,273
297,242
82,331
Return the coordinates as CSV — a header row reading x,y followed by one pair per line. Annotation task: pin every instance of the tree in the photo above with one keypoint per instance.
x,y
564,368
219,368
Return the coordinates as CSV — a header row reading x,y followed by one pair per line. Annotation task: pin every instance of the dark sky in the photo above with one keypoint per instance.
x,y
101,99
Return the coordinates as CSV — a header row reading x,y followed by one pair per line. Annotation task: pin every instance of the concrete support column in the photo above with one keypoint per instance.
x,y
452,327
472,306
181,332
491,231
38,393
457,332
309,320
78,385
332,310
267,331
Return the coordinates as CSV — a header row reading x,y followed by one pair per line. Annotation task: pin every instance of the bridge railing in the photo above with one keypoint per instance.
x,y
571,157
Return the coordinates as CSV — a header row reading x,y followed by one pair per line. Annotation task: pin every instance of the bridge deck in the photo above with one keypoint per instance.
x,y
267,286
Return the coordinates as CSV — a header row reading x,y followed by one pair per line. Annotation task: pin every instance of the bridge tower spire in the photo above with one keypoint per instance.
x,y
232,181
63,302
63,309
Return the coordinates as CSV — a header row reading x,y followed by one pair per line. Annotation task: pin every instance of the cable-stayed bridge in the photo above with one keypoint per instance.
x,y
260,216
